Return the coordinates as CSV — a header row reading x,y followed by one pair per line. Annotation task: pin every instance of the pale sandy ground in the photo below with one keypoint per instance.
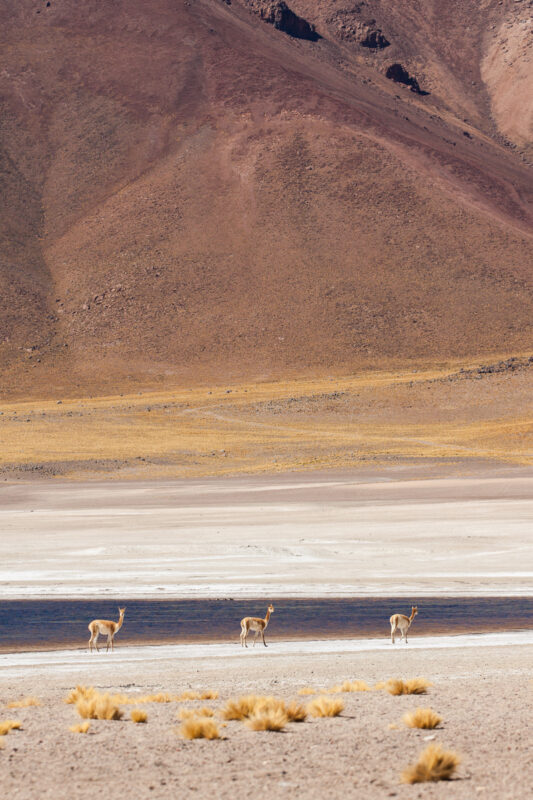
x,y
484,695
294,534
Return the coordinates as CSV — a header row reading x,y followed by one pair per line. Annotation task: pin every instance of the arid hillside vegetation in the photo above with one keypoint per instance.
x,y
216,191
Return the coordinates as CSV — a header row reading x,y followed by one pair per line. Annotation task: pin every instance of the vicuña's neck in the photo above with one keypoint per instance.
x,y
412,616
120,621
267,615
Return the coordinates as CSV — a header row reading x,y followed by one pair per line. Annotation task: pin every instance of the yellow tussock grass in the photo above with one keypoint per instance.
x,y
199,728
25,702
422,718
269,719
9,725
307,690
83,727
208,694
98,706
434,764
189,713
295,711
325,707
380,685
397,687
189,694
79,693
350,686
265,704
160,697
241,708
138,715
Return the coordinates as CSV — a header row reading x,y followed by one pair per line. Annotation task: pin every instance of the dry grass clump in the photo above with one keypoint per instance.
x,y
308,690
422,718
98,706
325,707
209,694
350,686
241,708
199,728
83,727
79,693
397,687
138,715
434,764
9,725
188,694
267,719
189,713
25,702
295,711
160,697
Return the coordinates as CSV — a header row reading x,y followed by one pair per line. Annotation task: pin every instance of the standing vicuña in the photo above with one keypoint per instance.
x,y
105,626
399,622
255,624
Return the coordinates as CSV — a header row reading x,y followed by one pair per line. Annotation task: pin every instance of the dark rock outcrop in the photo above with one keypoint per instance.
x,y
278,14
398,73
365,33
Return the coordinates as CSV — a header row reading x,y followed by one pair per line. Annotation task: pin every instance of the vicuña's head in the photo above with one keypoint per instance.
x,y
271,608
414,610
121,610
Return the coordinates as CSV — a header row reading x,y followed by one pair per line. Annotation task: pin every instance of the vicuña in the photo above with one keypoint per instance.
x,y
399,622
256,624
105,627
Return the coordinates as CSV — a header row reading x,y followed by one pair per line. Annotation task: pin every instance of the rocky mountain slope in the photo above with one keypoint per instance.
x,y
209,190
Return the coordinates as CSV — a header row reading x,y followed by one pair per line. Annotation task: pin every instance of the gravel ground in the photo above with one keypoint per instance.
x,y
483,695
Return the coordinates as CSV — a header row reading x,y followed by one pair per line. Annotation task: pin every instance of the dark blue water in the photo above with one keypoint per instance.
x,y
29,624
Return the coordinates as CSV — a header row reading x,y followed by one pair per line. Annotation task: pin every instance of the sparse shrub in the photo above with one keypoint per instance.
x,y
325,707
209,695
269,703
422,718
83,727
9,725
397,687
79,693
138,715
295,712
161,697
199,728
188,713
98,706
308,690
268,719
434,764
191,695
350,686
24,703
241,708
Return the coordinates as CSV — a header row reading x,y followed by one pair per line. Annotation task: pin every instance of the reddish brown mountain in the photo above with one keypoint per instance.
x,y
203,190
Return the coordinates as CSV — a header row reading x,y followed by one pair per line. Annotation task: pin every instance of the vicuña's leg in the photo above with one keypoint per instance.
x,y
244,635
255,638
108,642
393,633
263,637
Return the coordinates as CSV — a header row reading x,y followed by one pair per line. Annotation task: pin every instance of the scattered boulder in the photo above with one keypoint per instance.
x,y
278,14
398,73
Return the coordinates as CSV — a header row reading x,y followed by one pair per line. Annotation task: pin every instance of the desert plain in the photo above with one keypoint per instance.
x,y
312,534
266,317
